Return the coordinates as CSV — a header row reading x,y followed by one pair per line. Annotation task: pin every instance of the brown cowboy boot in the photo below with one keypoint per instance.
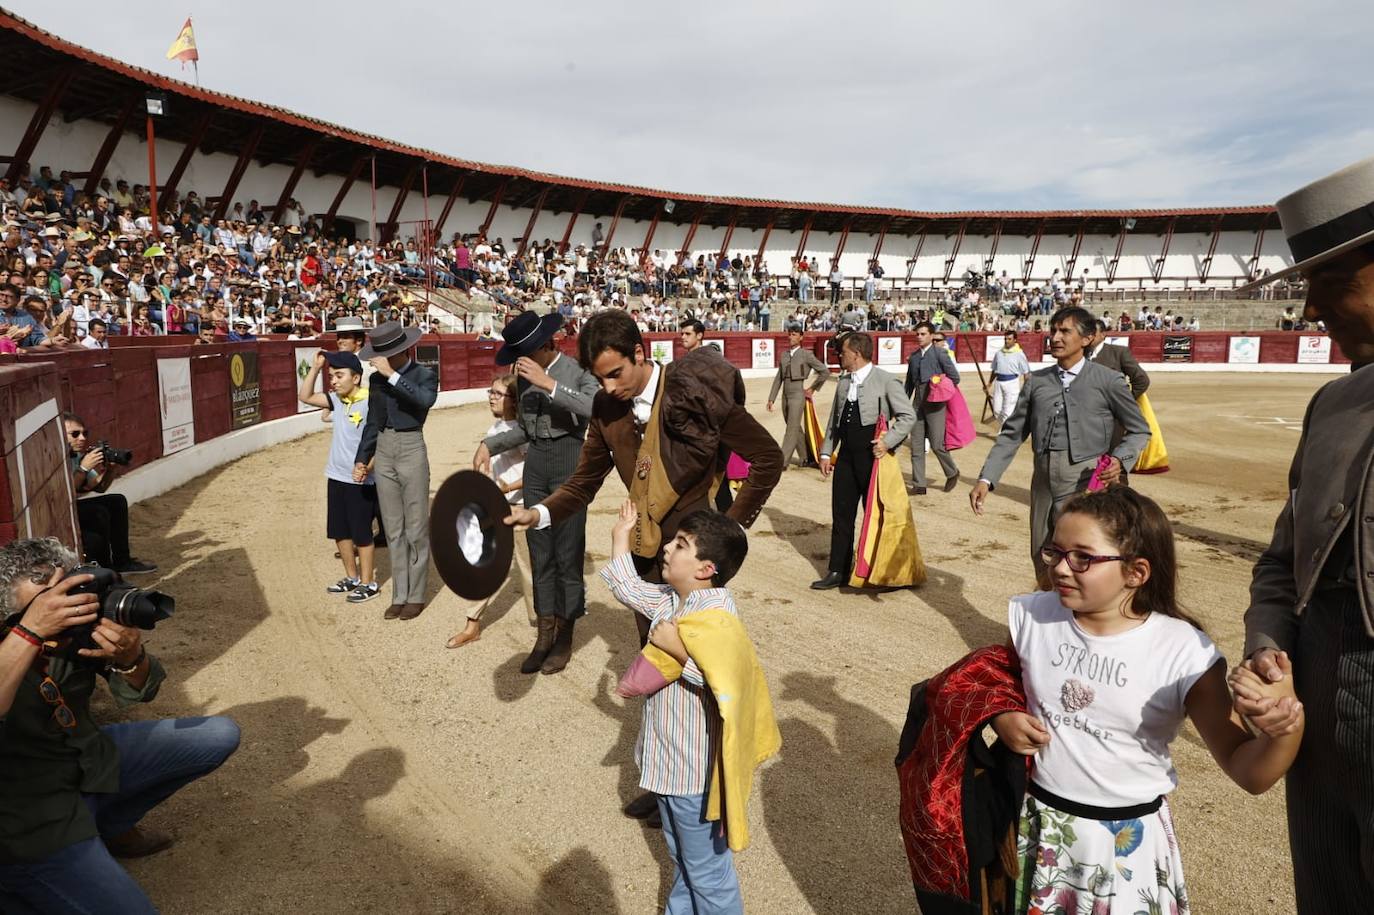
x,y
562,648
542,645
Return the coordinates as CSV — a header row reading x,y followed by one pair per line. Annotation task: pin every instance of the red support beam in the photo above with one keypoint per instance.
x,y
1116,258
302,162
353,172
992,252
691,233
1157,268
806,234
1073,258
839,246
1206,266
534,215
495,202
1035,249
448,204
1252,272
39,122
763,242
572,221
615,221
649,235
169,187
240,166
388,228
102,158
954,254
882,237
729,234
916,255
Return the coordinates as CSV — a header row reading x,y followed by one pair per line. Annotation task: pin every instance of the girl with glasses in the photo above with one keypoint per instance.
x,y
1111,666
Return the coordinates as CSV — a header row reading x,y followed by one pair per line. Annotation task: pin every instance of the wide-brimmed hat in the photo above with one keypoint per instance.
x,y
1326,219
388,339
526,334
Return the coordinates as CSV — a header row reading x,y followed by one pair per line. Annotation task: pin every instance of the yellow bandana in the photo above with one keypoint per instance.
x,y
354,416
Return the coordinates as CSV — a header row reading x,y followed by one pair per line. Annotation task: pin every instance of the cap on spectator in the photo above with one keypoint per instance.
x,y
338,359
242,322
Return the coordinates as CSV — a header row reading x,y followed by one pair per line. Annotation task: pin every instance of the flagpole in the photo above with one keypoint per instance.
x,y
195,65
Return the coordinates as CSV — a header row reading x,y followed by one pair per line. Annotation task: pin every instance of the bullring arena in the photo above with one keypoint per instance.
x,y
379,771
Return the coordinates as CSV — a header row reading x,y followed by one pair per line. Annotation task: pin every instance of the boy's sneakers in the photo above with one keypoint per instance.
x,y
343,586
364,592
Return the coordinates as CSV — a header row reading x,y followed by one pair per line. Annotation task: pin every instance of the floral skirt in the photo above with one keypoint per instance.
x,y
1074,865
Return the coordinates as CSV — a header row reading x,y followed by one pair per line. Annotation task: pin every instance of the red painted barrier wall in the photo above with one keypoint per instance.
x,y
35,489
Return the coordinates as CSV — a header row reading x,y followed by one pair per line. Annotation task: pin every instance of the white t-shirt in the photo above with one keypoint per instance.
x,y
508,466
1112,704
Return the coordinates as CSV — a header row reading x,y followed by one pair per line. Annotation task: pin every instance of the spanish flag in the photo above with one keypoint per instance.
x,y
184,48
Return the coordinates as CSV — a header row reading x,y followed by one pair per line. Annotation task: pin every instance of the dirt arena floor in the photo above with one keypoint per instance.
x,y
380,772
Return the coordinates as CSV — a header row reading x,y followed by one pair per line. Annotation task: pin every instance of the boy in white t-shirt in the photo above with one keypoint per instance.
x,y
508,470
350,505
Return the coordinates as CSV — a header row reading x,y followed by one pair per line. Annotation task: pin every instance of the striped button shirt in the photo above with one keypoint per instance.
x,y
679,732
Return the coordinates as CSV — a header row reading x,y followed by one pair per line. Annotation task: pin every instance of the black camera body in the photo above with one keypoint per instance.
x,y
120,602
120,456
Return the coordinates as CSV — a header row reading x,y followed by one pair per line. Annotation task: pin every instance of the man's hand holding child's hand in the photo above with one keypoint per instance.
x,y
1253,691
624,525
665,636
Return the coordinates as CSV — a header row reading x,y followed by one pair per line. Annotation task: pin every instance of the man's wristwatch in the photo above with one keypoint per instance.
x,y
125,671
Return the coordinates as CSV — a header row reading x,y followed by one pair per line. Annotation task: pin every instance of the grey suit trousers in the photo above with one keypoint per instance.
x,y
1054,481
556,553
930,424
794,439
402,474
1331,784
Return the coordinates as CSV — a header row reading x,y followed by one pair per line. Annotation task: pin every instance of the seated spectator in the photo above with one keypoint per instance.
x,y
104,516
242,331
75,792
18,325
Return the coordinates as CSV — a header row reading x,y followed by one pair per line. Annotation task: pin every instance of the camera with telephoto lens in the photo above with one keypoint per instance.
x,y
120,602
121,456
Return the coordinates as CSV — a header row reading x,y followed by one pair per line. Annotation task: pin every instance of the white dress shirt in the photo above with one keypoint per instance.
x,y
856,379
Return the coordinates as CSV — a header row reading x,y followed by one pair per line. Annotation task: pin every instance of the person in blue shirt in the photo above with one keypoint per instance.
x,y
241,332
14,321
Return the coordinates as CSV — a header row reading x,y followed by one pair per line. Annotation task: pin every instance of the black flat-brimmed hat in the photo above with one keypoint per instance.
x,y
470,542
1326,219
388,339
526,334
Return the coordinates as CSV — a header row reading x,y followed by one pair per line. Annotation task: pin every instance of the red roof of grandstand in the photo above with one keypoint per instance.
x,y
100,87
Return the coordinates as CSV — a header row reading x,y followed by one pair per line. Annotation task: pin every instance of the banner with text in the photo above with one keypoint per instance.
x,y
305,358
175,404
763,353
1314,350
662,351
889,350
245,391
1178,349
1243,350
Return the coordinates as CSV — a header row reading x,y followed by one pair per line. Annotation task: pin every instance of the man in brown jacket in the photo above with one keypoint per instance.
x,y
1312,596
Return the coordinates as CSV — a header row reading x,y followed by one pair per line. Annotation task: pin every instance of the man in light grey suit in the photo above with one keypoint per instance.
x,y
1069,410
555,403
865,392
928,361
794,369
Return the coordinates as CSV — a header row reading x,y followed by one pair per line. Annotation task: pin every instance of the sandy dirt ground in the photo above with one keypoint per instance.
x,y
380,772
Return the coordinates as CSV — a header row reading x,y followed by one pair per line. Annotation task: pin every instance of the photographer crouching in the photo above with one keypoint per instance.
x,y
104,517
72,793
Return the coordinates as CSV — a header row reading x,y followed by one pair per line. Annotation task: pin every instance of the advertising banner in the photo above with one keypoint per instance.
x,y
992,346
305,357
1314,350
1178,349
245,391
1243,350
428,354
661,351
889,350
763,353
175,404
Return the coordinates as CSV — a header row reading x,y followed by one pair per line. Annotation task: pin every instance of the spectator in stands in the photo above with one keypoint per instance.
x,y
104,516
1288,320
75,792
836,281
242,331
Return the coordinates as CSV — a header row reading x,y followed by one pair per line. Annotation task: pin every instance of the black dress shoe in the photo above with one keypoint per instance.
x,y
831,580
951,483
916,490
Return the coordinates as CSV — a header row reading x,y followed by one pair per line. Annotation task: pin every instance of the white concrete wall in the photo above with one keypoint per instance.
x,y
73,146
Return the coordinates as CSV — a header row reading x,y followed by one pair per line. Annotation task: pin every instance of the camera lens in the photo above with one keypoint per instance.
x,y
130,606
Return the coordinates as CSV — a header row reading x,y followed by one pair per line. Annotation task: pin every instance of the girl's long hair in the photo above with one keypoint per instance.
x,y
1140,530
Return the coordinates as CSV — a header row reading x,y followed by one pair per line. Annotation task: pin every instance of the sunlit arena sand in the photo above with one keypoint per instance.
x,y
381,772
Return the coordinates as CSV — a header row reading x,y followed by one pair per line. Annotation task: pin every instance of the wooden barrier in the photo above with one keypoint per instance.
x,y
36,498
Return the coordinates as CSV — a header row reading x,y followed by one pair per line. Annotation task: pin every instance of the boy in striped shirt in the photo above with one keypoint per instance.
x,y
680,732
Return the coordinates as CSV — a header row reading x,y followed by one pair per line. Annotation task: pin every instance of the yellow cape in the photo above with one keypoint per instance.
x,y
1155,457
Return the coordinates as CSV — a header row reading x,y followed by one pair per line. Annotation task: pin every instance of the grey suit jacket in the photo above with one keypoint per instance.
x,y
1120,359
1330,488
1096,401
880,394
544,415
793,369
920,368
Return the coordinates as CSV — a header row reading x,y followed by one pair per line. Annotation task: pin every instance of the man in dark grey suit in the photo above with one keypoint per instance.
x,y
794,369
1118,359
555,401
1069,410
928,361
398,402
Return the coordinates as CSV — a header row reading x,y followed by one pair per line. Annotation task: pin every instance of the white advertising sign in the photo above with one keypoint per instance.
x,y
175,404
1244,350
889,350
1314,350
661,351
1120,341
993,346
763,353
305,358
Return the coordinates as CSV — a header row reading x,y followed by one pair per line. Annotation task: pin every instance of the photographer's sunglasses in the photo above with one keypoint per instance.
x,y
53,696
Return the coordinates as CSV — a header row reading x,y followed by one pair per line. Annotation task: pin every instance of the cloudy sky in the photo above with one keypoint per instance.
x,y
926,105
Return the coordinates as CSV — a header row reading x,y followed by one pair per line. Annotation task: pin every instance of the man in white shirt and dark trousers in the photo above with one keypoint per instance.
x,y
928,361
1069,410
864,393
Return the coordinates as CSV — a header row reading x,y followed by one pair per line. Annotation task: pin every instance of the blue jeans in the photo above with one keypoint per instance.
x,y
704,878
156,759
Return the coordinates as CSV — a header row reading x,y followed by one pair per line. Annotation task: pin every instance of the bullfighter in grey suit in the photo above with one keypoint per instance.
x,y
555,402
794,368
928,361
864,393
1069,410
1312,595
